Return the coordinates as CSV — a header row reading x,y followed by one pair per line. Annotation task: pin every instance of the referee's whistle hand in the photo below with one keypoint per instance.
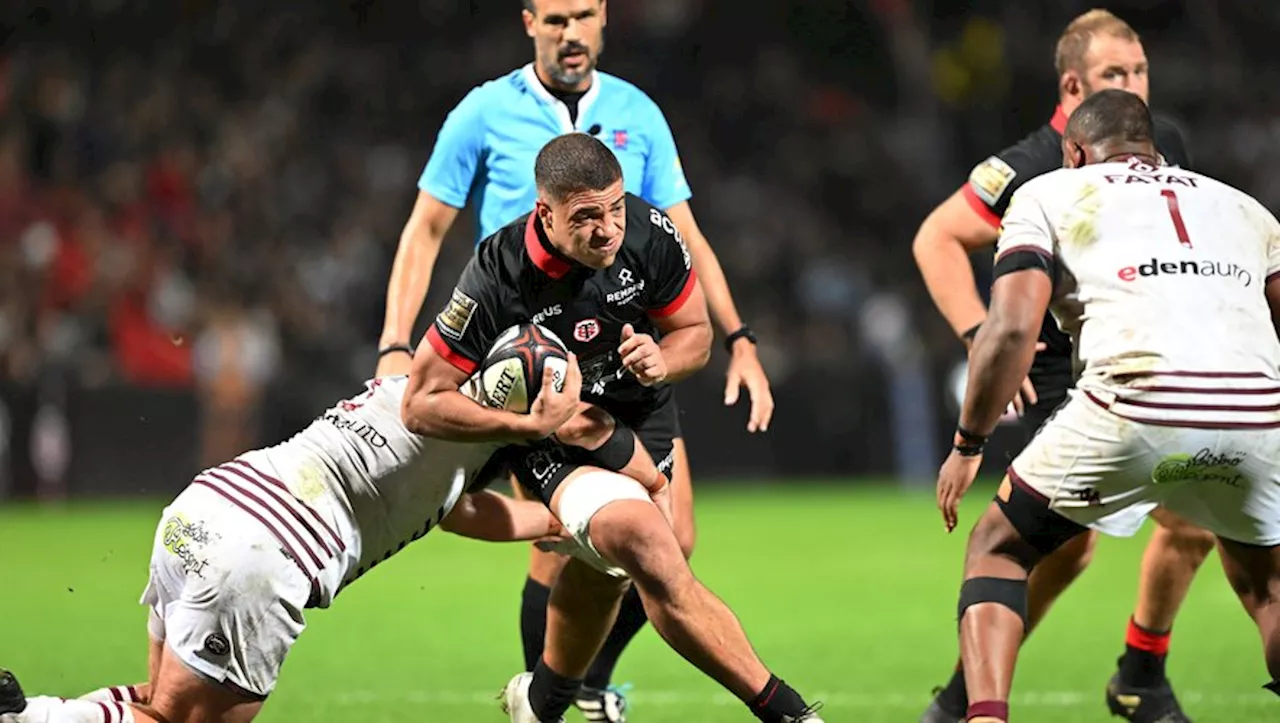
x,y
745,370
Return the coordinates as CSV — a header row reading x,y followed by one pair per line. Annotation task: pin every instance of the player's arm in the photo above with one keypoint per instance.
x,y
686,335
942,246
498,518
411,276
1006,344
442,190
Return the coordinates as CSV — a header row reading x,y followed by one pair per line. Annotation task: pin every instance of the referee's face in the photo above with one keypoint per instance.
x,y
587,226
568,36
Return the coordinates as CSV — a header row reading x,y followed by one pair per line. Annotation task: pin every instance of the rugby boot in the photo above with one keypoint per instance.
x,y
1156,704
12,699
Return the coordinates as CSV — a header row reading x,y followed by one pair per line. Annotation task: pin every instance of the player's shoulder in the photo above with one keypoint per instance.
x,y
1171,140
1049,185
498,256
643,218
1037,153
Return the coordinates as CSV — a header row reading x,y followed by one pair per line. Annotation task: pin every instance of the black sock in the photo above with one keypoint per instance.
x,y
1273,686
954,699
1145,651
533,620
776,700
551,694
631,619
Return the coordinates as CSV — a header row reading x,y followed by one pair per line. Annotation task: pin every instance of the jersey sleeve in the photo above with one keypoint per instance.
x,y
451,169
993,182
468,325
1273,243
1026,239
664,183
670,266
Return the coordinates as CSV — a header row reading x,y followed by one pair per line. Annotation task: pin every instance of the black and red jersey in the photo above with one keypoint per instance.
x,y
517,276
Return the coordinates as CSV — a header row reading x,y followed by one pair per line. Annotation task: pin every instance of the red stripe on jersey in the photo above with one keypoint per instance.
x,y
106,713
1202,390
1196,375
293,501
446,352
283,502
1018,481
980,206
678,302
1184,423
540,255
1197,407
247,494
288,547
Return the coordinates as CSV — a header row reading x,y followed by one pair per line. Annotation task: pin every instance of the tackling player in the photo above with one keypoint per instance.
x,y
251,544
609,274
1169,284
483,156
1096,51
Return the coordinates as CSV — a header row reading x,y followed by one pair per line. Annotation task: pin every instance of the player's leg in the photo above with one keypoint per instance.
x,y
1050,578
1016,532
1254,573
1173,555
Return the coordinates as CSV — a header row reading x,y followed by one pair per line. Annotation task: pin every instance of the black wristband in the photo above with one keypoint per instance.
x,y
972,332
395,348
742,333
970,444
970,437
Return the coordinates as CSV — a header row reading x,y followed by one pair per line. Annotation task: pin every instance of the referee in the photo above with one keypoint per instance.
x,y
484,156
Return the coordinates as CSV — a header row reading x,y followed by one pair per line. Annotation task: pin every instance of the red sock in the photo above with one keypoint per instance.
x,y
997,709
1142,639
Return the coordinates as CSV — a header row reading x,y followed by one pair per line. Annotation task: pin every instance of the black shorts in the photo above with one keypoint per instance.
x,y
540,468
1051,391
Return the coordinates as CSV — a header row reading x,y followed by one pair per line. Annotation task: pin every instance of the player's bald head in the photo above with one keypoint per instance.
x,y
1110,117
574,163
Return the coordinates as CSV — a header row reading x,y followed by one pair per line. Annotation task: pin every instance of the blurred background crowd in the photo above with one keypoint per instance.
x,y
203,197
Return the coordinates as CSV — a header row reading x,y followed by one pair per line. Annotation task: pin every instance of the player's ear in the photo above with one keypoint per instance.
x,y
1073,155
543,210
1070,85
604,13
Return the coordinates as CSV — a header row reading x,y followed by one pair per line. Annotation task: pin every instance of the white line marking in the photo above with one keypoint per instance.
x,y
659,698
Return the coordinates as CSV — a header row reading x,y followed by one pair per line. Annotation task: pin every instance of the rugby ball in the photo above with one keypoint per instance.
x,y
510,376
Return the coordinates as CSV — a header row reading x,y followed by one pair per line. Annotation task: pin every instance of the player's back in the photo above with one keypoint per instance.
x,y
1160,276
375,485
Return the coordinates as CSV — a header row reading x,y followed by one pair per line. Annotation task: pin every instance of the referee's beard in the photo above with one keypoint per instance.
x,y
564,78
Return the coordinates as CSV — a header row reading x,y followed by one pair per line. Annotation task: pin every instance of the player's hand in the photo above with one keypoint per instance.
x,y
954,479
394,364
642,357
745,371
553,408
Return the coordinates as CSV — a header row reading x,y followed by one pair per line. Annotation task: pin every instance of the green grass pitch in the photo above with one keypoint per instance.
x,y
848,593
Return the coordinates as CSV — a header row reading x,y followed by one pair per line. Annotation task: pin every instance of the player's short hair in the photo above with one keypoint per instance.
x,y
1111,116
1074,43
573,163
528,5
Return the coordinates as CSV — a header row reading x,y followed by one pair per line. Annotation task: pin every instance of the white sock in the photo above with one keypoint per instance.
x,y
114,694
47,709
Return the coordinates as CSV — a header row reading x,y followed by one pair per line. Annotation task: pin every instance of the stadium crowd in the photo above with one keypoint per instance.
x,y
208,194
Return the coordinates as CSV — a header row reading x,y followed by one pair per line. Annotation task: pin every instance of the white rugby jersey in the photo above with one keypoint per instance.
x,y
351,489
1159,278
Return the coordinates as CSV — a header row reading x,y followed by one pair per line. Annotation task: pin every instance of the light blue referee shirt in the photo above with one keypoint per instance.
x,y
485,150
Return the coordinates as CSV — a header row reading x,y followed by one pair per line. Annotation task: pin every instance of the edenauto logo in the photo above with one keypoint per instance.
x,y
1156,267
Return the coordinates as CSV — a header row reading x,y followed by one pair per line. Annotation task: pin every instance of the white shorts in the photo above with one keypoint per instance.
x,y
1108,473
580,499
224,596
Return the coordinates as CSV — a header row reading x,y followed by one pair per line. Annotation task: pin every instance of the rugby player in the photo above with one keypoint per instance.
x,y
1096,51
609,274
251,544
483,156
1128,254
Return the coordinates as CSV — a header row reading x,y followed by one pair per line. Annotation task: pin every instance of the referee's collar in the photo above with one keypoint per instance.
x,y
541,252
535,86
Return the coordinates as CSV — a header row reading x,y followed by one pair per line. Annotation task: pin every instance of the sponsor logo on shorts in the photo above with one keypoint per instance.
x,y
1090,497
1205,465
180,536
456,317
990,178
217,644
586,330
1156,267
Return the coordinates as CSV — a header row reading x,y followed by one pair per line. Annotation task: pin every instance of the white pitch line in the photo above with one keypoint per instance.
x,y
1030,699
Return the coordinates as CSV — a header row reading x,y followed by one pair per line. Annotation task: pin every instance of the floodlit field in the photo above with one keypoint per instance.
x,y
848,592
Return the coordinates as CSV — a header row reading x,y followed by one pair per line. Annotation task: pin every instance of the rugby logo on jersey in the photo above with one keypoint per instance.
x,y
455,318
586,330
990,179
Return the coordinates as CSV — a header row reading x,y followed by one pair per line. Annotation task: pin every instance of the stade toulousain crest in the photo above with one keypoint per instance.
x,y
586,330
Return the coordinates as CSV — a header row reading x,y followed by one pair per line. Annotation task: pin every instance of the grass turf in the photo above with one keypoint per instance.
x,y
847,592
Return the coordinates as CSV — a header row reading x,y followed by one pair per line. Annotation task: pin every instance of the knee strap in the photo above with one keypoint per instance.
x,y
616,451
1002,591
